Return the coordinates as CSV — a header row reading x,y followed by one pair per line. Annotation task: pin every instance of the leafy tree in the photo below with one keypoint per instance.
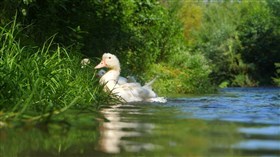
x,y
259,33
240,39
139,32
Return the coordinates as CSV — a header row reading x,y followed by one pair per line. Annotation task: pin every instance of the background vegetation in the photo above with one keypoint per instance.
x,y
239,38
193,46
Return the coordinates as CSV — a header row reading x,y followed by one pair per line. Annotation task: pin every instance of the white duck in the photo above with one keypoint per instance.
x,y
129,92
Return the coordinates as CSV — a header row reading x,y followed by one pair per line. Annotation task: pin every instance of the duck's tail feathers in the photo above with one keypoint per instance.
x,y
149,84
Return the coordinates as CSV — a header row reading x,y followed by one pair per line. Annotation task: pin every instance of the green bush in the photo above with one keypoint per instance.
x,y
183,74
260,37
218,40
240,40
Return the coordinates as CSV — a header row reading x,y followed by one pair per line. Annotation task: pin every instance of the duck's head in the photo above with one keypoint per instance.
x,y
109,61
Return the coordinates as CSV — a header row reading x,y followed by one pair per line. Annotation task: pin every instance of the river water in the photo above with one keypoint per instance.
x,y
233,122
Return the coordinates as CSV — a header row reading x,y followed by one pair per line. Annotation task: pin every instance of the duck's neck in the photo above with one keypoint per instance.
x,y
110,78
116,68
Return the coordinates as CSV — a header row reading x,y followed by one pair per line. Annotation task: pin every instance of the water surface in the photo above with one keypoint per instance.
x,y
234,122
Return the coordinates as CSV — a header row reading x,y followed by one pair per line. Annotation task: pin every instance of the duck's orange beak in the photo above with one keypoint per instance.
x,y
101,65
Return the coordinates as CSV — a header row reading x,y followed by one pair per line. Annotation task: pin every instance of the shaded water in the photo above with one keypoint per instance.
x,y
235,122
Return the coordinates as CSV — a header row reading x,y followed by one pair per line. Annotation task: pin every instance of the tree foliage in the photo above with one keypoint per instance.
x,y
138,31
239,38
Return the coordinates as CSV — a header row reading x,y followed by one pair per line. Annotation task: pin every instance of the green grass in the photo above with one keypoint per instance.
x,y
39,82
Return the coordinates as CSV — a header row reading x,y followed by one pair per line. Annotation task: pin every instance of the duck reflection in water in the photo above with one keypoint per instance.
x,y
116,132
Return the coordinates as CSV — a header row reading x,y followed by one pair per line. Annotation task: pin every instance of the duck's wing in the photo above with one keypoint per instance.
x,y
122,80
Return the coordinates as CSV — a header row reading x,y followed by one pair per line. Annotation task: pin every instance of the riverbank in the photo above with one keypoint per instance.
x,y
38,83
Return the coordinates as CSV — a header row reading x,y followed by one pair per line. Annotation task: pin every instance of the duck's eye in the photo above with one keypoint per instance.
x,y
109,57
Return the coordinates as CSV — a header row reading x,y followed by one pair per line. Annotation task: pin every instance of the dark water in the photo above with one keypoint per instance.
x,y
235,122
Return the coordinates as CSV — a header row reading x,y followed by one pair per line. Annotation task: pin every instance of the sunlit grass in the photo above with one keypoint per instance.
x,y
184,74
